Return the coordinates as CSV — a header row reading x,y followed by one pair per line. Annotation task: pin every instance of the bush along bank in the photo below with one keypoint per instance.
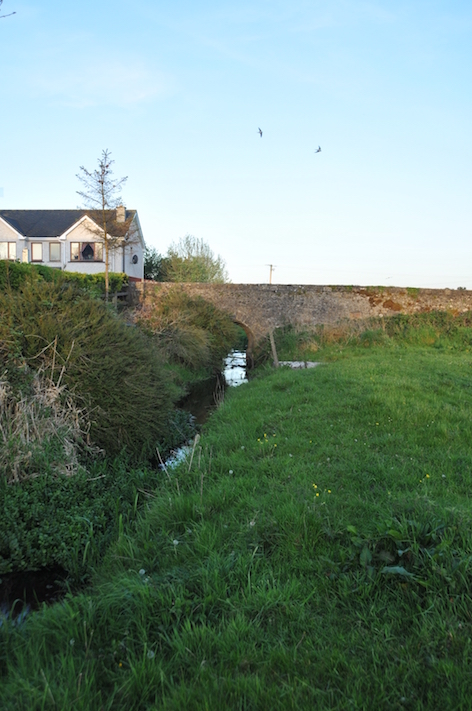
x,y
112,370
312,552
78,388
69,521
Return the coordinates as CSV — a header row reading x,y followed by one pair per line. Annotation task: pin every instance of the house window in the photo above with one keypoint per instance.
x,y
7,250
36,252
86,252
54,252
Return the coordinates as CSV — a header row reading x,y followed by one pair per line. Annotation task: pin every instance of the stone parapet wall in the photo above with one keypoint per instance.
x,y
260,308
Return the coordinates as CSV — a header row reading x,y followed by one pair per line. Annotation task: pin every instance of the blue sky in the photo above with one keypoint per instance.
x,y
177,90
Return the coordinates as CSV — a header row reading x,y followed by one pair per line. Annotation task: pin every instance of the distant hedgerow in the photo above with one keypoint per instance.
x,y
14,275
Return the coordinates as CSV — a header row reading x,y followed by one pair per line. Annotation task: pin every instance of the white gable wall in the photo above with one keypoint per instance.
x,y
119,259
8,234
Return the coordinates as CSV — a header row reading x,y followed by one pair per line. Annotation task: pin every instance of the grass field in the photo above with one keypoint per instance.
x,y
313,552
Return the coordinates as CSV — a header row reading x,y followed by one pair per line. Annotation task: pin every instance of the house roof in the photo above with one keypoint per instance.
x,y
47,223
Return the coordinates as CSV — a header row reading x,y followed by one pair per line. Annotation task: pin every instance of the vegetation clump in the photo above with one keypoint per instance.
x,y
70,521
189,330
110,369
41,431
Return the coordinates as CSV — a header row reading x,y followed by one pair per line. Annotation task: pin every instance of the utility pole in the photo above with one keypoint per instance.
x,y
272,268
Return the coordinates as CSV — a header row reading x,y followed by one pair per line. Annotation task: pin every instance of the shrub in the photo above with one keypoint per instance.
x,y
14,275
111,368
70,521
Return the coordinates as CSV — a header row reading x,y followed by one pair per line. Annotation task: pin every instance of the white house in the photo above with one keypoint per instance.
x,y
72,240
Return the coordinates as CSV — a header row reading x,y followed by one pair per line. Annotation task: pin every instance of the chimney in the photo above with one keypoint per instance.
x,y
121,213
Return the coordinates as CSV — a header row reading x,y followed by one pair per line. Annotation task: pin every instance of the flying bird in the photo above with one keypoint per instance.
x,y
260,132
318,150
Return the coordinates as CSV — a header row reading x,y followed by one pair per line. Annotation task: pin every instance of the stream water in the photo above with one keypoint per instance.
x,y
206,395
23,591
235,371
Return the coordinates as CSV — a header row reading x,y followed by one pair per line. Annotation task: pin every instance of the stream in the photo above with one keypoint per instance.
x,y
206,395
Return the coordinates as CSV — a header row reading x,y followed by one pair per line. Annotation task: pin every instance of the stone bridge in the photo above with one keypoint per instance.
x,y
260,308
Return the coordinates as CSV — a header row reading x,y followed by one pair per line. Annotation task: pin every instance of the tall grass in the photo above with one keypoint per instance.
x,y
315,553
191,331
110,368
42,431
438,329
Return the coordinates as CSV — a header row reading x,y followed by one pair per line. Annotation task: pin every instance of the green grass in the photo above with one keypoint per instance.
x,y
316,555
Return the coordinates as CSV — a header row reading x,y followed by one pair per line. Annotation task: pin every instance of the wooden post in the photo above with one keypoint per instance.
x,y
274,350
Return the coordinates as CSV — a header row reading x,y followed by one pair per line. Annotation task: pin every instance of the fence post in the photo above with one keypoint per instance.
x,y
274,350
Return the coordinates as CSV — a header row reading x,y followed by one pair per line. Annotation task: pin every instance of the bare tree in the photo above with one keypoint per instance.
x,y
102,196
2,16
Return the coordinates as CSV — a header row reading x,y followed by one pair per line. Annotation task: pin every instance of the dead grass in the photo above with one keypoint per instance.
x,y
40,432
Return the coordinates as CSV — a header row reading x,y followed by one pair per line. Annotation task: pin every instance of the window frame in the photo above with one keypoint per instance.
x,y
40,245
97,250
9,251
54,244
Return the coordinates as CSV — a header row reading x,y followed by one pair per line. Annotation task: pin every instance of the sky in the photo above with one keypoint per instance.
x,y
178,90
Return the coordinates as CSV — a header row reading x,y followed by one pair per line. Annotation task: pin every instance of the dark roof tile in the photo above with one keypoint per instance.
x,y
45,223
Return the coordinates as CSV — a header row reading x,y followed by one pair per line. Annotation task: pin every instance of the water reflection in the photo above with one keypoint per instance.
x,y
235,368
205,396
